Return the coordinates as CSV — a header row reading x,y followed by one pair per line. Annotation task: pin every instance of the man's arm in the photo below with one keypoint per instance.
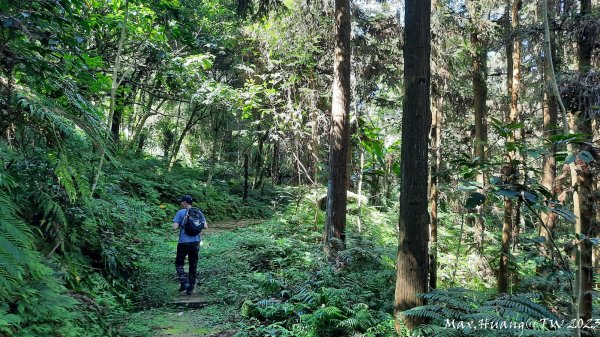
x,y
177,219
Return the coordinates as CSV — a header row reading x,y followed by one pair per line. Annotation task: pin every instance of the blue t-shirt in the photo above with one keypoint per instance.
x,y
183,237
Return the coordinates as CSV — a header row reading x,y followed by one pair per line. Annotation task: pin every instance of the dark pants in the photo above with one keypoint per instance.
x,y
191,250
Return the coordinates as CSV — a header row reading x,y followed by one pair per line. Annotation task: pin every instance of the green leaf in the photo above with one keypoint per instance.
x,y
565,214
495,180
530,197
475,200
507,193
397,169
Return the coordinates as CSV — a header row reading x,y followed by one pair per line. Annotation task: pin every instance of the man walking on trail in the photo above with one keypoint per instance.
x,y
188,245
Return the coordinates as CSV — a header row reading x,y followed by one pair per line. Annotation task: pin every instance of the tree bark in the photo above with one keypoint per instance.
x,y
437,105
479,75
118,117
513,55
335,226
436,140
584,188
550,116
117,66
113,90
582,299
412,263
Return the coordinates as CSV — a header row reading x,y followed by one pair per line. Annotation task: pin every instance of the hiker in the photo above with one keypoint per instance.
x,y
188,245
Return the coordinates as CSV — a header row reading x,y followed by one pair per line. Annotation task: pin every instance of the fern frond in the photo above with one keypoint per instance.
x,y
15,243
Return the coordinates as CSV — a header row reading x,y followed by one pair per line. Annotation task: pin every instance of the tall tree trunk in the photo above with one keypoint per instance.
x,y
335,226
581,306
437,105
359,188
479,74
550,115
513,55
361,152
584,188
113,90
117,67
436,143
118,116
412,263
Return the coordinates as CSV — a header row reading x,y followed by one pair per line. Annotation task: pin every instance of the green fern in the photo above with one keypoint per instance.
x,y
15,244
462,312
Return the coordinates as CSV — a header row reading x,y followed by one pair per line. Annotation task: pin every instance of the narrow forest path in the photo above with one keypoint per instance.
x,y
209,312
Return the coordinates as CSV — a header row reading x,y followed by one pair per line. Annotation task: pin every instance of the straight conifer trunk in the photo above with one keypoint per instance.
x,y
480,90
550,115
413,264
335,225
583,197
514,86
438,69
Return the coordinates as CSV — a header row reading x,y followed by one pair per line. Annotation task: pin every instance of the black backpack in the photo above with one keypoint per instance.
x,y
192,223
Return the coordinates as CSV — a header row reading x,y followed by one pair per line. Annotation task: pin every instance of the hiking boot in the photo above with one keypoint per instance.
x,y
189,290
184,286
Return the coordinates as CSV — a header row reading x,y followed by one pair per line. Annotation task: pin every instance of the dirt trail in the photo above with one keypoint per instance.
x,y
181,320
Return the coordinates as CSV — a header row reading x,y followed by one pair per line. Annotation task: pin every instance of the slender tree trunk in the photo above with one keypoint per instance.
x,y
335,226
584,188
361,159
550,116
437,106
436,140
513,55
582,307
359,188
113,90
480,107
118,117
117,67
413,262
